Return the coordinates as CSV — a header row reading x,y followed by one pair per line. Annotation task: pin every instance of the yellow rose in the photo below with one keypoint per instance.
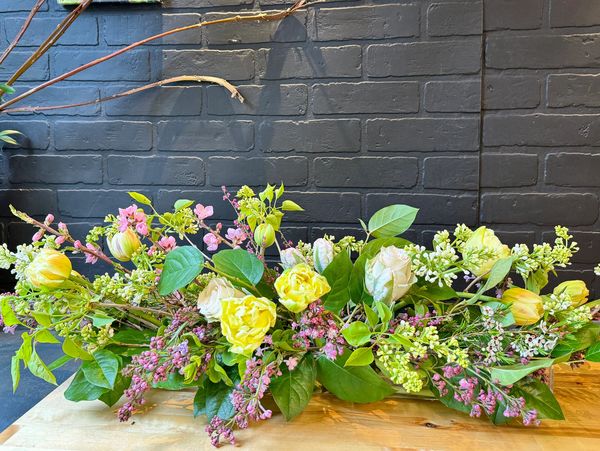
x,y
245,322
484,241
576,291
49,269
526,306
299,286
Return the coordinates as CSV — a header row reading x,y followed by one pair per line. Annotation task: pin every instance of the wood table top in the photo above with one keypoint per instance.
x,y
327,423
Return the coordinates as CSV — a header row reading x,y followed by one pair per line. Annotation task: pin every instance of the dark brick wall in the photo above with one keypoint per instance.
x,y
359,103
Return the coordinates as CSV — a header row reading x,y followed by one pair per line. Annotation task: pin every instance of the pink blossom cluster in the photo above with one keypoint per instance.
x,y
135,217
316,323
89,257
165,244
419,321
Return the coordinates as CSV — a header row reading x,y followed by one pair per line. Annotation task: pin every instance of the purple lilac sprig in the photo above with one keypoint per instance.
x,y
316,323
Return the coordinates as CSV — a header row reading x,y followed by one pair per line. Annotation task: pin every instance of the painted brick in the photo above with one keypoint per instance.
x,y
512,14
574,13
423,134
272,100
325,207
312,62
435,209
366,97
453,96
61,95
587,242
449,19
366,172
38,71
424,58
84,31
543,52
571,90
205,3
318,136
35,134
55,169
183,171
7,6
164,101
194,135
291,29
82,203
228,64
36,202
503,170
459,173
367,22
545,209
541,130
131,66
103,135
123,29
511,92
573,169
236,171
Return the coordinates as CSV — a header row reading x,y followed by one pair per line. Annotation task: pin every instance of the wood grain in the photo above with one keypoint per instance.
x,y
327,423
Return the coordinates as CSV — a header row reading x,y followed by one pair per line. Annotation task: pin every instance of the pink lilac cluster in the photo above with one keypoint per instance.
x,y
316,323
418,321
246,399
134,217
89,256
186,315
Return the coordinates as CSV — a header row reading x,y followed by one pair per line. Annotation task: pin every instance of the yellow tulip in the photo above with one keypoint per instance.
x,y
526,306
575,290
299,286
484,241
122,245
50,268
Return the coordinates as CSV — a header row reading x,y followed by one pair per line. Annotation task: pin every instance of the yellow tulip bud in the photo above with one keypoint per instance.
x,y
264,235
483,241
123,245
575,290
526,306
49,269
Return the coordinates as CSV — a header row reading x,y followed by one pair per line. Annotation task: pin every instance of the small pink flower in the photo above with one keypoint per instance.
x,y
123,223
60,240
236,236
291,363
211,241
62,227
77,244
142,228
203,212
49,218
168,243
37,236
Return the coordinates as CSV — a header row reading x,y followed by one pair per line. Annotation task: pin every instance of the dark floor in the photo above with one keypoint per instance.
x,y
31,389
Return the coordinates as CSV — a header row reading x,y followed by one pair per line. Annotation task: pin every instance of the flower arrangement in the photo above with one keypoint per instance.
x,y
361,319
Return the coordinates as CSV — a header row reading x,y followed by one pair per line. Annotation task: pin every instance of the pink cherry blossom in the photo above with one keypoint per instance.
x,y
168,243
37,236
60,240
203,212
49,218
91,258
211,241
142,228
236,236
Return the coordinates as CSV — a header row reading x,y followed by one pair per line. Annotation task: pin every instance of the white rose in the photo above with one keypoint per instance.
x,y
291,257
209,300
322,254
389,275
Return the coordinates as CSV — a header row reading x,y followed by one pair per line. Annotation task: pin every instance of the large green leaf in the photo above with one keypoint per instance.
x,y
15,371
181,267
8,316
360,357
593,353
392,220
357,333
110,398
509,374
239,265
293,389
497,274
75,350
103,370
38,368
200,402
357,384
539,397
578,341
337,274
218,401
82,390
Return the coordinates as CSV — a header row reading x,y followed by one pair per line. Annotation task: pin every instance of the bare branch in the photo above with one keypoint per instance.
x,y
22,31
197,78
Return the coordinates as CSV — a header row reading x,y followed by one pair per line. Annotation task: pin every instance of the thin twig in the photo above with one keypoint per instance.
x,y
197,78
132,307
22,31
275,16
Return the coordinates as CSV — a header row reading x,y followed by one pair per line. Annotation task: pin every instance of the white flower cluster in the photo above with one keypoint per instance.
x,y
529,345
557,302
7,259
434,266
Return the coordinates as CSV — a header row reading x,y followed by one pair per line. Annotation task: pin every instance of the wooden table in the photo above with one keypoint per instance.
x,y
394,424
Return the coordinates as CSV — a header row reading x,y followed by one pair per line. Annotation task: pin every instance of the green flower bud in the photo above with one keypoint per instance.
x,y
264,235
123,245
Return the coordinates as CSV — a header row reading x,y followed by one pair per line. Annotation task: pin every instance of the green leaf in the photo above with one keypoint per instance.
x,y
385,313
372,316
497,274
392,220
8,316
73,349
140,198
174,382
536,281
60,362
45,336
448,400
180,204
82,390
434,292
110,398
593,353
289,205
7,88
577,341
103,370
357,333
43,319
360,357
100,319
218,401
509,374
539,397
200,402
181,267
337,274
239,265
356,384
15,371
134,336
293,389
38,368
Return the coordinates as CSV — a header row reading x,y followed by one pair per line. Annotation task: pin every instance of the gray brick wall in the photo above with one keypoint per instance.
x,y
476,111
